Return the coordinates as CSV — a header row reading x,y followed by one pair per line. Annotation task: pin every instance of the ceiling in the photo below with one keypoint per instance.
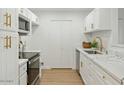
x,y
61,9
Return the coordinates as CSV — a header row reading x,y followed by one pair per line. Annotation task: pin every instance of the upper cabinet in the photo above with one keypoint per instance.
x,y
27,20
35,20
121,26
8,19
24,12
118,27
99,19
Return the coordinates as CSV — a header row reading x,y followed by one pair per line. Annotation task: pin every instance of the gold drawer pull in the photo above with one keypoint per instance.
x,y
9,43
6,42
9,20
6,19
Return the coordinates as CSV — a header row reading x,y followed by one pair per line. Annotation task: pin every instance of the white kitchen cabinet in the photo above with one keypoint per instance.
x,y
102,19
99,19
93,74
88,74
24,12
105,77
3,18
12,19
23,79
8,57
89,22
34,19
23,74
92,77
8,19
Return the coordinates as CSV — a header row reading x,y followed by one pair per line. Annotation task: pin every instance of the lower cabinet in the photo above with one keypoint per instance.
x,y
23,79
93,74
23,74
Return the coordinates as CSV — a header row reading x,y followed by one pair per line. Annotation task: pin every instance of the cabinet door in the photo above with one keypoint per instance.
x,y
83,68
96,18
90,77
102,18
12,57
3,62
91,21
3,18
23,79
81,65
87,23
105,18
8,58
12,19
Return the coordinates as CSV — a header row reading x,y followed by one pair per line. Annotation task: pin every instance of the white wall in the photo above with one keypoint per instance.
x,y
40,38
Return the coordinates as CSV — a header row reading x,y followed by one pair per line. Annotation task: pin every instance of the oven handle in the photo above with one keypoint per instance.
x,y
34,60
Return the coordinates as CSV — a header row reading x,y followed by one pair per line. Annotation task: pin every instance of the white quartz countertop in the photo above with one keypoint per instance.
x,y
22,61
109,63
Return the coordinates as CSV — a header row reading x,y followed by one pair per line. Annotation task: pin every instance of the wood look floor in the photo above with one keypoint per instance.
x,y
60,77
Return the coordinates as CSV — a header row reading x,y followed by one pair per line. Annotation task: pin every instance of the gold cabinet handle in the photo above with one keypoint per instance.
x,y
9,20
6,19
9,42
6,42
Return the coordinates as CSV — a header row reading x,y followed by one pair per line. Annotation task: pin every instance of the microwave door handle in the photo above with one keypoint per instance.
x,y
36,59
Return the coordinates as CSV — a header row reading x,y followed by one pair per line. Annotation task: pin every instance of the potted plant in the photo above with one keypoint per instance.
x,y
94,44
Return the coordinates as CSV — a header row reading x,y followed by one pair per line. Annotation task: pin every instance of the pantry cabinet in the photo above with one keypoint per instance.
x,y
99,19
8,19
93,74
8,57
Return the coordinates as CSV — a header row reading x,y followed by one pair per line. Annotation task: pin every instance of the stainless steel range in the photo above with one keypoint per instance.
x,y
33,66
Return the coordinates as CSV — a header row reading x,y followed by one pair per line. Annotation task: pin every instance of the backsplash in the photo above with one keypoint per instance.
x,y
26,42
117,51
105,35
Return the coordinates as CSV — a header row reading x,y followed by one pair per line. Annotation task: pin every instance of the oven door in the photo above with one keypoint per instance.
x,y
33,70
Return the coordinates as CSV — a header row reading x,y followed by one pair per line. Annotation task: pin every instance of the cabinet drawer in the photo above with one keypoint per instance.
x,y
23,69
100,75
108,80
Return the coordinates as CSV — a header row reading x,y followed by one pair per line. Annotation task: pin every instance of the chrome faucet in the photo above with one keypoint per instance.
x,y
101,45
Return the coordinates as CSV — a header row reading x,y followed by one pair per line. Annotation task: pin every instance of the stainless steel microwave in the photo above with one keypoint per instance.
x,y
24,24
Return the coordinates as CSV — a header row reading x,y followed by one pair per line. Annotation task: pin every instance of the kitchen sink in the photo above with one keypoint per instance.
x,y
92,52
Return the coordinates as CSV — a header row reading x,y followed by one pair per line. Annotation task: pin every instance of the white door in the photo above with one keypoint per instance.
x,y
54,51
62,53
66,48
